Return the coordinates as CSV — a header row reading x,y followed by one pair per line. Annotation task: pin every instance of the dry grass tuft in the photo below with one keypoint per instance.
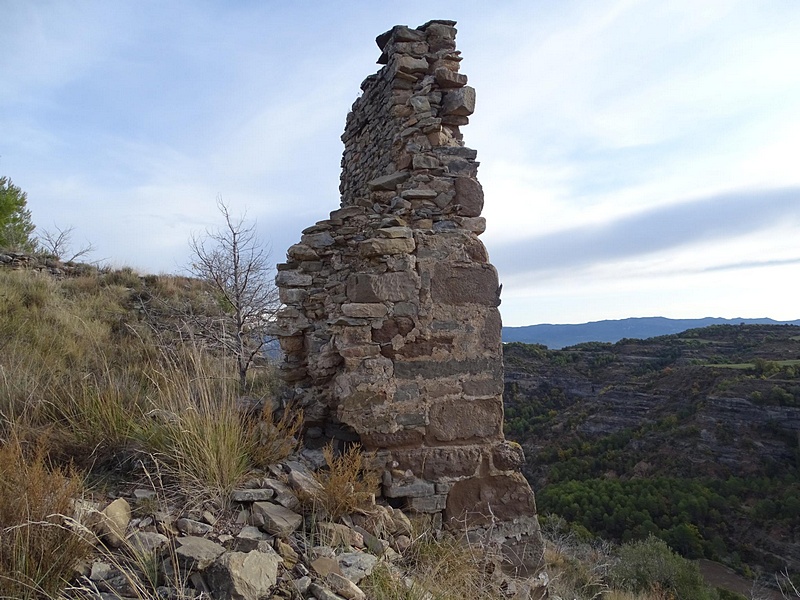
x,y
272,440
348,484
446,568
197,431
37,549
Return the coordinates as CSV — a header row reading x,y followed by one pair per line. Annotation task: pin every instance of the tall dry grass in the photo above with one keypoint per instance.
x,y
441,567
348,484
38,548
82,365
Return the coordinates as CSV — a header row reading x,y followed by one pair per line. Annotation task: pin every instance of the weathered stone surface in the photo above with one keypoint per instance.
x,y
452,420
244,576
457,284
274,518
302,482
146,542
283,494
482,387
356,565
192,527
324,565
451,462
480,500
409,64
196,553
508,456
323,593
459,102
254,495
394,287
114,520
380,246
301,252
429,504
251,532
469,195
389,182
336,534
316,240
407,486
364,310
344,587
449,79
292,279
448,368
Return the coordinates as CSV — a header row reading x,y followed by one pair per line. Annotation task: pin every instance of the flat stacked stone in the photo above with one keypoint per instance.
x,y
390,330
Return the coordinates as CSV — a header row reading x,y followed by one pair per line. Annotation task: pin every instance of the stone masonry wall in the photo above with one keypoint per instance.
x,y
390,330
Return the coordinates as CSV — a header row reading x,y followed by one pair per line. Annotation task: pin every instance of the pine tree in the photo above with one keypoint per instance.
x,y
16,226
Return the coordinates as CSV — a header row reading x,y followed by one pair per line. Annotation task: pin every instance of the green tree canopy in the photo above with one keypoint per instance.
x,y
16,226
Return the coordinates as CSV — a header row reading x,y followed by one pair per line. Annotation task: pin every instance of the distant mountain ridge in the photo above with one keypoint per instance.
x,y
560,336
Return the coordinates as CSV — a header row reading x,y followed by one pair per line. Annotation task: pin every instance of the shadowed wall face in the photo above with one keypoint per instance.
x,y
391,331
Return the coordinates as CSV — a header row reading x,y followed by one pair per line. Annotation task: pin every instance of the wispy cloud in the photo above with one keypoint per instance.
x,y
655,230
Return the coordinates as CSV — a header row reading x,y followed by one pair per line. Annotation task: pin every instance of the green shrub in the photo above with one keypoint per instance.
x,y
650,566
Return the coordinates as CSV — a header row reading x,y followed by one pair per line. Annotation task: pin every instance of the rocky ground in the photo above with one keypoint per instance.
x,y
268,543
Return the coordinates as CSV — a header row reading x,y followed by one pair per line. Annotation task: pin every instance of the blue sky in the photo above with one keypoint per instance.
x,y
639,158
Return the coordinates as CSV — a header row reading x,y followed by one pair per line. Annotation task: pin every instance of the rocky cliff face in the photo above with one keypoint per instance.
x,y
391,331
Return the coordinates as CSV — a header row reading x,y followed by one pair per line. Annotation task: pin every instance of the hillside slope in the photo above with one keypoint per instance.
x,y
693,437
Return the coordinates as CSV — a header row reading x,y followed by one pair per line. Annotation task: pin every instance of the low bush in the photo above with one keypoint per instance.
x,y
38,549
347,485
651,566
438,568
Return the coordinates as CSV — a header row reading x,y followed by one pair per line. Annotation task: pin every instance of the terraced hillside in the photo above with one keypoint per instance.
x,y
692,437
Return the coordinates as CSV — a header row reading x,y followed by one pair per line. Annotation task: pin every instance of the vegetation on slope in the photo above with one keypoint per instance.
x,y
692,438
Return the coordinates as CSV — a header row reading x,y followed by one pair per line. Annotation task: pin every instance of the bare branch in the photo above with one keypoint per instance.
x,y
58,243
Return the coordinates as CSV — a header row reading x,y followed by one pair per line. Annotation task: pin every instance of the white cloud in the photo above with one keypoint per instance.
x,y
127,121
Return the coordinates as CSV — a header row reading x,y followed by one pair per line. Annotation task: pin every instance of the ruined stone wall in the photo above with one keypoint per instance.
x,y
390,330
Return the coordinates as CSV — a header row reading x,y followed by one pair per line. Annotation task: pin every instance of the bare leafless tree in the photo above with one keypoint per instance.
x,y
236,263
786,585
58,243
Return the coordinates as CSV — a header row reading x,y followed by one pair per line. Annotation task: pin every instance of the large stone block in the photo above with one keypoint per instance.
x,y
434,369
364,310
435,464
459,284
492,331
420,347
460,420
388,182
469,195
394,287
409,64
482,500
274,518
449,79
482,387
244,576
317,240
374,440
381,246
293,279
459,102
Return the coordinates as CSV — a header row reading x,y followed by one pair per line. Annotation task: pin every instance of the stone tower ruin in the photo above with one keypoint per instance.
x,y
391,330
